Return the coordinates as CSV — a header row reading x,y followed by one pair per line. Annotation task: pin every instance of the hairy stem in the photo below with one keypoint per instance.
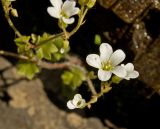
x,y
80,20
94,98
6,11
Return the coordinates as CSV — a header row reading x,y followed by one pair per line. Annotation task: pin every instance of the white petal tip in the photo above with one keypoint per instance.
x,y
70,105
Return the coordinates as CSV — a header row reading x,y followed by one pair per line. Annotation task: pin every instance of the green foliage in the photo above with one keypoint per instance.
x,y
61,44
91,3
58,42
46,48
27,69
22,44
97,39
74,77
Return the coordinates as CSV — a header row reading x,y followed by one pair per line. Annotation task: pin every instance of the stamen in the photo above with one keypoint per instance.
x,y
107,66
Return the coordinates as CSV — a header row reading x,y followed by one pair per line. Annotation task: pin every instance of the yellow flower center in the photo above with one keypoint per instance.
x,y
64,14
107,66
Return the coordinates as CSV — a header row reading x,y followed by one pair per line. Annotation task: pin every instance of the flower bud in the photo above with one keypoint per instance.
x,y
91,3
14,12
116,79
65,44
82,2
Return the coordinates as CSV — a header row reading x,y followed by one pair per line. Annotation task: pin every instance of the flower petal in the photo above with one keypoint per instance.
x,y
129,67
117,57
68,20
75,11
105,51
69,8
76,99
56,3
54,12
119,71
104,75
70,105
93,60
133,74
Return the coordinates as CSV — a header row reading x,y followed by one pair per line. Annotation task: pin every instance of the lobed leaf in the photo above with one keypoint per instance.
x,y
27,69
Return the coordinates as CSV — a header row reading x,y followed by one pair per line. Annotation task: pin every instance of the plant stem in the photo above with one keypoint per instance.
x,y
6,53
50,38
6,11
48,65
91,86
106,89
12,26
80,21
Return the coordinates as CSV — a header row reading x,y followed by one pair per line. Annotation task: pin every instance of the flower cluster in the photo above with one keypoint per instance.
x,y
108,62
77,102
63,11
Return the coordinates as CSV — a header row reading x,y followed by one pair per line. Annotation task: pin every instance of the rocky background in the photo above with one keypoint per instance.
x,y
28,106
131,25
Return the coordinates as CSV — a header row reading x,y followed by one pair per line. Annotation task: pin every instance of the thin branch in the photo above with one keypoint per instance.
x,y
48,65
6,53
91,86
6,11
80,21
12,25
50,38
41,63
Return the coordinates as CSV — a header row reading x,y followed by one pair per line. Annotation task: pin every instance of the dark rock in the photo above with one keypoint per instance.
x,y
107,3
148,65
129,10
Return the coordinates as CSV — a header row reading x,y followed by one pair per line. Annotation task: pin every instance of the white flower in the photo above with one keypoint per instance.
x,y
77,102
63,11
131,73
107,62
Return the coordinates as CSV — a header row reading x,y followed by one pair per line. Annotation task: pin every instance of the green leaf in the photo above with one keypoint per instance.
x,y
22,44
61,44
74,77
57,56
47,48
27,69
97,39
67,77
